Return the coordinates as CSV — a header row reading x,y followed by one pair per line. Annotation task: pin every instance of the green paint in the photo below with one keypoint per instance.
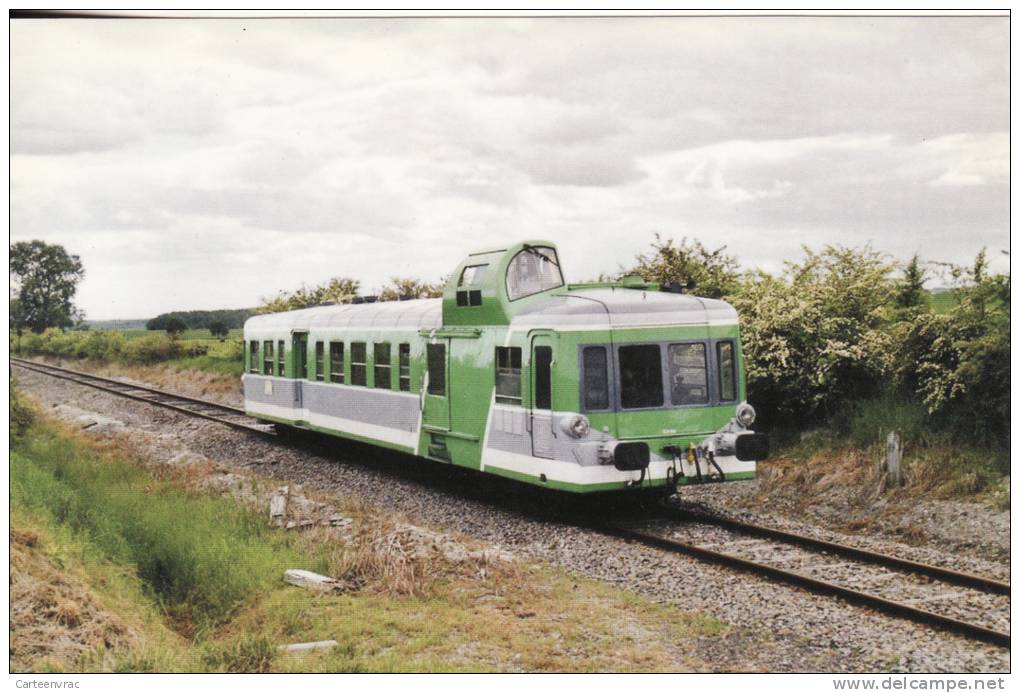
x,y
454,422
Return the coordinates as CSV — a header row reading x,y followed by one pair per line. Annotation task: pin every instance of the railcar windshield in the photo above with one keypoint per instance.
x,y
640,376
533,270
688,374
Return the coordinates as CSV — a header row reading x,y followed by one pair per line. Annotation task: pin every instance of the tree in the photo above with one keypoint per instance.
x,y
336,290
44,279
713,272
174,327
408,286
910,291
958,364
218,329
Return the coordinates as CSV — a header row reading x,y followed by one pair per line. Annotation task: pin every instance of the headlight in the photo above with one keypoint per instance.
x,y
577,425
745,414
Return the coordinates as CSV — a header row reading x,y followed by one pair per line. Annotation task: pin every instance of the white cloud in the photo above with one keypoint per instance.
x,y
173,153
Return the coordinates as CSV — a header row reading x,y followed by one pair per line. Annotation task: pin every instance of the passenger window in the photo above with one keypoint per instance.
x,y
543,377
727,371
435,355
336,362
596,378
319,365
508,375
253,356
358,364
688,374
267,357
281,358
382,366
640,376
405,367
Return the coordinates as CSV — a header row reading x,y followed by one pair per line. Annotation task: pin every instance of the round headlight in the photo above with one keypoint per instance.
x,y
577,425
745,414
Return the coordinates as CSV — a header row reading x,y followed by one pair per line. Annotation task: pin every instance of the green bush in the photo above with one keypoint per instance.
x,y
113,345
151,349
812,337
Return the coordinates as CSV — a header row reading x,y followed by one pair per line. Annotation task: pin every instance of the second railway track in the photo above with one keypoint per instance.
x,y
919,592
893,585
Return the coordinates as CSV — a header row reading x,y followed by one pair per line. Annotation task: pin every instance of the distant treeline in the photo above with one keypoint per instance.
x,y
201,319
138,324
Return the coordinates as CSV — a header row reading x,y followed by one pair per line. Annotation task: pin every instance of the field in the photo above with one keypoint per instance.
x,y
943,301
200,336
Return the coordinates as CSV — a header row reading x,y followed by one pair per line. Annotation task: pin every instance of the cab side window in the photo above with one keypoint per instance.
x,y
508,375
435,355
595,378
542,364
725,355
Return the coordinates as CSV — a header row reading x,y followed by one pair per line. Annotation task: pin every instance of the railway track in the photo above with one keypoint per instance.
x,y
889,584
191,406
919,592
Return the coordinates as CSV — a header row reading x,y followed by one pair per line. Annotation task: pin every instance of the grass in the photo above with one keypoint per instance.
x,y
154,574
200,557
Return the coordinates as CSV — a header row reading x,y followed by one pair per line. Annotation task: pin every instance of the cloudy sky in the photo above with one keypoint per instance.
x,y
206,163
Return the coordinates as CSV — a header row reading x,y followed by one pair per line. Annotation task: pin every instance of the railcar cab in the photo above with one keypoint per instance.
x,y
594,387
491,286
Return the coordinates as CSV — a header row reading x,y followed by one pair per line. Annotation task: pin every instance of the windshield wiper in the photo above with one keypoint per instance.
x,y
535,251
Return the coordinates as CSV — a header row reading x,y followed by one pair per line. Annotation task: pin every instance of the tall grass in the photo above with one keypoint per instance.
x,y
200,556
869,421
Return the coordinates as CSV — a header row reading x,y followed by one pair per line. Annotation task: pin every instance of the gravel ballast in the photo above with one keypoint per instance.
x,y
774,627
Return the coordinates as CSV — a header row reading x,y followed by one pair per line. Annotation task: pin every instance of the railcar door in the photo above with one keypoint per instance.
x,y
543,433
299,349
436,385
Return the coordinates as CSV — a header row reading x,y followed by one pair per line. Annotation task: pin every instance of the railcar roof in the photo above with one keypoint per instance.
x,y
611,307
621,307
422,313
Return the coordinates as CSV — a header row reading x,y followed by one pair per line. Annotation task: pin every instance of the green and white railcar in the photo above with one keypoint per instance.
x,y
583,388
